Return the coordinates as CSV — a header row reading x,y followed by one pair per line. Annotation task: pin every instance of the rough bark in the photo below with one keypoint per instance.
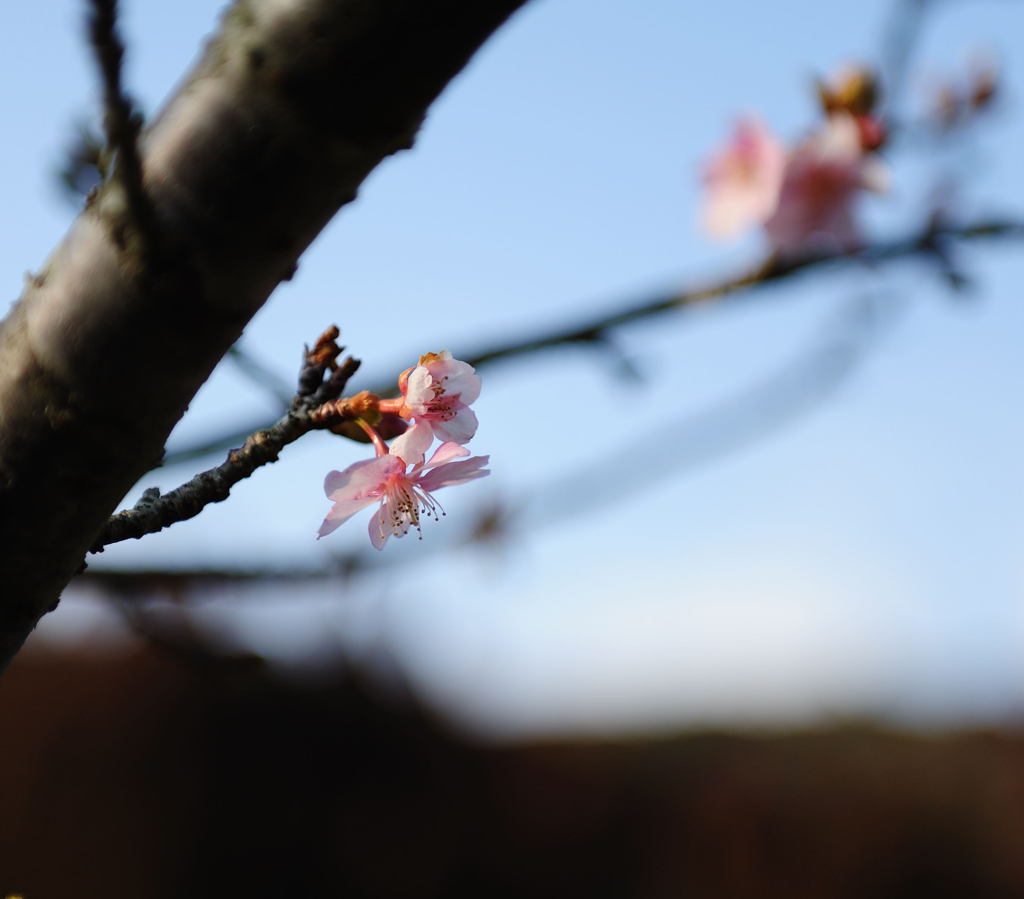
x,y
290,107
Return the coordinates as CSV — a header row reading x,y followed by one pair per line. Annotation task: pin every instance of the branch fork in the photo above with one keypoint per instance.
x,y
317,405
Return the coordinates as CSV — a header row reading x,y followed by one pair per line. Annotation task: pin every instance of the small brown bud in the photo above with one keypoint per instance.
x,y
363,405
854,90
326,349
984,86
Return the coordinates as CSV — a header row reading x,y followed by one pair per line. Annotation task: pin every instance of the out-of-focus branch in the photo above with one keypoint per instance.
x,y
321,382
732,423
121,122
928,242
259,374
898,42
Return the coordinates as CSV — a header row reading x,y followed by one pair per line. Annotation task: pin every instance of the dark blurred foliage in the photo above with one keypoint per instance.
x,y
135,775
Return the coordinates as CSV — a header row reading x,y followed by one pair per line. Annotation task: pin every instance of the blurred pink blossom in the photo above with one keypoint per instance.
x,y
403,492
438,392
822,179
743,180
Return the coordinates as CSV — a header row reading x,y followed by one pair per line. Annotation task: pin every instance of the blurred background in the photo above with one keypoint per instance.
x,y
738,612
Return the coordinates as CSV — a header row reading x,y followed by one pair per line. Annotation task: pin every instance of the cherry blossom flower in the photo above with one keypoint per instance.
x,y
438,392
743,180
403,492
822,180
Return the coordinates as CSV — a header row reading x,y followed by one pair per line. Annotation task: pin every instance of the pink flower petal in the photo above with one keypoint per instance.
x,y
454,473
460,379
823,180
355,480
742,180
439,389
342,511
411,446
328,526
874,176
459,428
417,391
355,488
378,532
445,453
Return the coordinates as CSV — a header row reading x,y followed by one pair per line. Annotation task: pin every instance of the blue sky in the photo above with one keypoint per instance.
x,y
862,557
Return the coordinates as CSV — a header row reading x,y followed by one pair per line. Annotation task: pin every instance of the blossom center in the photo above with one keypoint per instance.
x,y
443,404
403,501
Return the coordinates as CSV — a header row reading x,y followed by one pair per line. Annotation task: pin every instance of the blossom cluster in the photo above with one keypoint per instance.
x,y
435,398
803,196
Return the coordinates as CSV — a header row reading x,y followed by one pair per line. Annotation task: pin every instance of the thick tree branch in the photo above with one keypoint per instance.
x,y
292,105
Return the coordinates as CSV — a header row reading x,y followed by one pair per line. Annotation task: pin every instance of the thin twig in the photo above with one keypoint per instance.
x,y
155,511
922,243
121,121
